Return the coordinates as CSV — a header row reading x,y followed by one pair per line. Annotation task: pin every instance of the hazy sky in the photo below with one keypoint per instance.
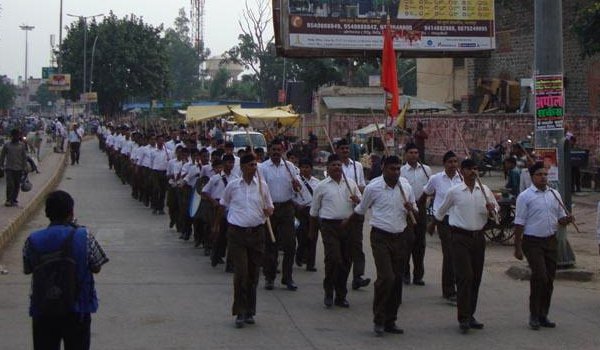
x,y
221,27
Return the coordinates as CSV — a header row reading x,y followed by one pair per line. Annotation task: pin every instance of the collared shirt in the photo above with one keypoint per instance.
x,y
417,177
174,167
387,204
331,200
538,211
304,198
146,158
127,147
216,185
134,152
74,136
208,171
170,145
354,170
278,179
159,159
524,180
439,184
110,139
466,209
14,156
244,203
193,173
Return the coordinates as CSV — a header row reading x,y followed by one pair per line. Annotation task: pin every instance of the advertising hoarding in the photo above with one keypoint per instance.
x,y
59,82
423,28
549,102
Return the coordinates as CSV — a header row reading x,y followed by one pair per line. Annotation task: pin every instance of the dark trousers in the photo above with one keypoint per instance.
x,y
282,222
73,330
147,186
448,280
136,186
336,244
468,254
203,223
185,222
246,247
389,253
575,179
75,147
13,184
541,254
356,250
159,189
172,204
307,248
416,247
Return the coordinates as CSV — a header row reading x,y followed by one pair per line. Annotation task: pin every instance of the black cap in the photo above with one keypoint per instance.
x,y
468,163
449,155
535,167
333,158
305,161
247,158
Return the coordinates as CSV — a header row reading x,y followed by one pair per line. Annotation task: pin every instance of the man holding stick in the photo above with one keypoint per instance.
x,y
468,206
248,207
538,213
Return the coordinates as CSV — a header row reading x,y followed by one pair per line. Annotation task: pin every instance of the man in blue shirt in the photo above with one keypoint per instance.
x,y
73,327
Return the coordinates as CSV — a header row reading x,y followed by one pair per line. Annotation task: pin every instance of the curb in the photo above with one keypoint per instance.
x,y
7,233
523,273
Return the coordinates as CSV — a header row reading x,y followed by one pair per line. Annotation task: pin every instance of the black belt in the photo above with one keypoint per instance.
x,y
535,238
240,228
279,204
460,231
331,221
386,233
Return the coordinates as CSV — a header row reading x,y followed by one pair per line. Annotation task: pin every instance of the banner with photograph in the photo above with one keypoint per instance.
x,y
59,82
420,25
549,156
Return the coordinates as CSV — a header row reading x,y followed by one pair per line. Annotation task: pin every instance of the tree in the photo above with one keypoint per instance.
x,y
184,62
7,93
43,96
130,61
218,84
586,27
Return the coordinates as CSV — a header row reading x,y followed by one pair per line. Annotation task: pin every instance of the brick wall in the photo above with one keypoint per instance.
x,y
514,56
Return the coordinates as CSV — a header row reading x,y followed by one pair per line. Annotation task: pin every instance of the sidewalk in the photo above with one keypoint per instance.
x,y
51,170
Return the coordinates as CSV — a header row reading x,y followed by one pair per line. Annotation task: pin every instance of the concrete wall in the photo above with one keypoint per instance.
x,y
438,80
513,58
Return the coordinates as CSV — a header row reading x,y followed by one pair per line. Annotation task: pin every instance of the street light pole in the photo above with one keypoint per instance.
x,y
26,28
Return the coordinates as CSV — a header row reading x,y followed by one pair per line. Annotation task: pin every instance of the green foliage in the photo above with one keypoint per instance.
x,y
586,27
130,61
43,96
218,85
7,93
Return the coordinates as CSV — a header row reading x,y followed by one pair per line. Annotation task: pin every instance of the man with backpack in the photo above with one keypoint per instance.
x,y
62,259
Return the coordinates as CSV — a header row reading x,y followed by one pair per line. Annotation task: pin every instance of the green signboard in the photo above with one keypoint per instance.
x,y
47,71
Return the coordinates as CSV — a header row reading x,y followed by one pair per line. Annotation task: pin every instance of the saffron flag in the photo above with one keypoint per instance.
x,y
389,75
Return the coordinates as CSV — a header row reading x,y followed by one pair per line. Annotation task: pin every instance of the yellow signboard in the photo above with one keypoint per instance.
x,y
89,97
470,10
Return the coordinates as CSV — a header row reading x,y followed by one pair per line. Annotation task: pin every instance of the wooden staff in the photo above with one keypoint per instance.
x,y
333,150
260,190
487,200
565,209
411,215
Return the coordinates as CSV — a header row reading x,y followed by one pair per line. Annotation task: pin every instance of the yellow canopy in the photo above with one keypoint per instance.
x,y
197,114
282,114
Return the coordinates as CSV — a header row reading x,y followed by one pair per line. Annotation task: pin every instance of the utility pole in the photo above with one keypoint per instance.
x,y
549,97
27,29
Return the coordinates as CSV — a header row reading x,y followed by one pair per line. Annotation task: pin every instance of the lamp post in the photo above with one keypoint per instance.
x,y
84,20
26,28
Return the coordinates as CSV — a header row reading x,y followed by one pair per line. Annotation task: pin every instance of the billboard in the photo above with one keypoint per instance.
x,y
47,71
423,28
59,82
549,102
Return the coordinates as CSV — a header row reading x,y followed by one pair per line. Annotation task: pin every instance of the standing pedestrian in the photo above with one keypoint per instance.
x,y
417,175
74,140
67,318
420,136
468,206
307,246
333,202
13,160
537,216
390,237
248,204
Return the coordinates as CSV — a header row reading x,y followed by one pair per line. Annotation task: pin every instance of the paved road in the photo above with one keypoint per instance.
x,y
158,292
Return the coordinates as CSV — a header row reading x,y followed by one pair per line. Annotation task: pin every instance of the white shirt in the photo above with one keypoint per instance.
x,y
278,179
208,171
216,185
538,211
331,200
74,136
193,173
354,170
170,145
524,180
387,204
466,209
146,158
244,203
439,184
174,167
304,198
110,139
417,177
159,159
127,147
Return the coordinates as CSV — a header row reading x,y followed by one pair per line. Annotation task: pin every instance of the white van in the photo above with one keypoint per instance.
x,y
240,140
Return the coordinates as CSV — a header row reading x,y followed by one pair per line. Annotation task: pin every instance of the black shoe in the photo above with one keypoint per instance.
x,y
328,301
360,282
213,262
546,323
229,268
290,285
451,299
311,269
299,262
406,280
197,244
418,283
207,252
392,328
269,285
473,323
181,236
239,321
160,212
249,319
341,302
171,224
378,329
154,212
534,323
464,327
